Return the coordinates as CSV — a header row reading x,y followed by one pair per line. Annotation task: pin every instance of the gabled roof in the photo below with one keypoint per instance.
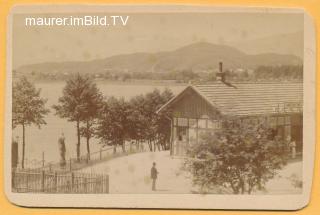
x,y
247,98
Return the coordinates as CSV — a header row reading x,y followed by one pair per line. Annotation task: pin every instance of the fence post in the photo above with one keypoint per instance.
x,y
27,180
42,159
13,179
72,181
100,154
85,187
107,183
42,180
70,164
55,182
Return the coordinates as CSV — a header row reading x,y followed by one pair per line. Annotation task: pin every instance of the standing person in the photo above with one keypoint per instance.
x,y
154,175
62,148
292,146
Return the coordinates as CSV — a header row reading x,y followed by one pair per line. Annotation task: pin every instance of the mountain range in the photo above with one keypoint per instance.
x,y
197,56
290,43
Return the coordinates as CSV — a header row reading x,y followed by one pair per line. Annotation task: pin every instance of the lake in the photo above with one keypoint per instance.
x,y
45,139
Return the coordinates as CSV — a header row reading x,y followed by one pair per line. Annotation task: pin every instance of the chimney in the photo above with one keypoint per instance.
x,y
220,67
220,75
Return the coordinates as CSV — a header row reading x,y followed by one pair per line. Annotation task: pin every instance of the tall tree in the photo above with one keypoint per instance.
x,y
163,128
93,103
113,122
145,123
76,103
28,108
136,120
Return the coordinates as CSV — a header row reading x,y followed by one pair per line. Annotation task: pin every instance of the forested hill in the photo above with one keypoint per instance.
x,y
196,57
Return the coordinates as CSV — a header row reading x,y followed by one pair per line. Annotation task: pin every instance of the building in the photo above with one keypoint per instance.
x,y
203,108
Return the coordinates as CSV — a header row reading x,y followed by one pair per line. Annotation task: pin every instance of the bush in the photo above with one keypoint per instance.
x,y
241,157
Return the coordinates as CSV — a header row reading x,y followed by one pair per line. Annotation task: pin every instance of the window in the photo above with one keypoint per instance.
x,y
175,121
183,122
193,123
202,123
273,121
214,124
280,121
287,120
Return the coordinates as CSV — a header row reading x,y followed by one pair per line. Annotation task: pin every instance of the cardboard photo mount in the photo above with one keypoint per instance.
x,y
174,201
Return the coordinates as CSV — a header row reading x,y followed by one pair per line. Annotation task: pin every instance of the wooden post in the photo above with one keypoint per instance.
x,y
172,136
55,182
27,180
85,185
70,164
107,183
72,181
42,180
13,178
42,159
100,154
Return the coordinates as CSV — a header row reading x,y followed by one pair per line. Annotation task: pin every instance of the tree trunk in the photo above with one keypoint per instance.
x,y
234,188
23,145
78,143
259,182
159,143
250,188
114,148
123,146
150,145
88,141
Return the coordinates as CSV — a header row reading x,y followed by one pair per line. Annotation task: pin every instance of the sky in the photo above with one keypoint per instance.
x,y
143,33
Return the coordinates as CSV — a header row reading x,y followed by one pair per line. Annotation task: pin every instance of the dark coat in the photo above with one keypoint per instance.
x,y
154,173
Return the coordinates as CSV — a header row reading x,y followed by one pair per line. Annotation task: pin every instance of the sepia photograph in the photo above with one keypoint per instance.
x,y
142,101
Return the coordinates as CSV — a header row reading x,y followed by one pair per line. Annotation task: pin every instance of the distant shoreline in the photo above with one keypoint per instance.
x,y
129,82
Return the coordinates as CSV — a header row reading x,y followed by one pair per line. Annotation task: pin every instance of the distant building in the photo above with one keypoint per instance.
x,y
202,108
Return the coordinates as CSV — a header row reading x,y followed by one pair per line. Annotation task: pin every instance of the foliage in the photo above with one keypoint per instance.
x,y
93,104
148,125
283,72
27,105
113,122
28,108
80,102
242,157
135,120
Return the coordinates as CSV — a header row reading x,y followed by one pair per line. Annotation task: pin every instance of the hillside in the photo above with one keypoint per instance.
x,y
197,56
291,43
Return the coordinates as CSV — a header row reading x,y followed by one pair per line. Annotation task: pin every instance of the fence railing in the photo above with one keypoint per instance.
x,y
86,160
35,181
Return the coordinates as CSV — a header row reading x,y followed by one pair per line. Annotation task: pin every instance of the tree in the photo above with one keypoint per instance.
x,y
137,120
145,123
93,102
241,157
113,122
163,127
28,108
79,103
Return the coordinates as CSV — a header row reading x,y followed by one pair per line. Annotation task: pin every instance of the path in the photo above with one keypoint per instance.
x,y
131,174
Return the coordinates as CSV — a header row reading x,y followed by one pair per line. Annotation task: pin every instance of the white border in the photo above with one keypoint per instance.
x,y
180,201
